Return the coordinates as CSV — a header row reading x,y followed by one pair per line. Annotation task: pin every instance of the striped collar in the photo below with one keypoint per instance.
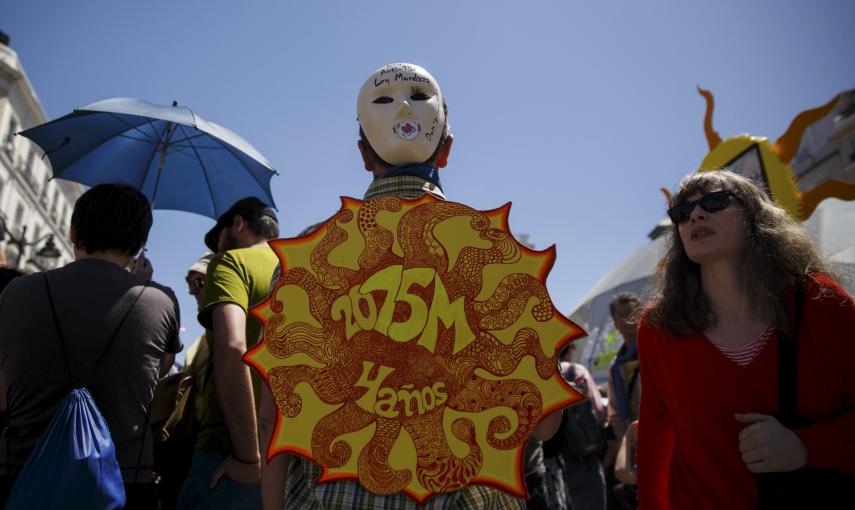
x,y
404,186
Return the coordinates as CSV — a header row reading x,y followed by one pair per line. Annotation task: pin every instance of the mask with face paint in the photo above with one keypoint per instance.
x,y
400,111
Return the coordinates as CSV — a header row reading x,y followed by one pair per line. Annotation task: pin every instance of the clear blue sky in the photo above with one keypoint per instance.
x,y
577,112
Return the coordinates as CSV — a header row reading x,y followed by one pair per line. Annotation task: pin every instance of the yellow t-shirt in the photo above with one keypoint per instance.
x,y
241,277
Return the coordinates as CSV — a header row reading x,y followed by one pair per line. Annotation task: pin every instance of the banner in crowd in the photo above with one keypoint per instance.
x,y
412,345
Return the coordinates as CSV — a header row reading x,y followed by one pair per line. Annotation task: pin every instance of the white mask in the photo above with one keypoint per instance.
x,y
400,111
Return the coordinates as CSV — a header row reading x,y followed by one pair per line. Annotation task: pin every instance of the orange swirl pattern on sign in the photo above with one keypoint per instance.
x,y
411,345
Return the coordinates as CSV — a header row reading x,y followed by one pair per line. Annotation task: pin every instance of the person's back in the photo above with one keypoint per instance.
x,y
404,141
583,440
93,296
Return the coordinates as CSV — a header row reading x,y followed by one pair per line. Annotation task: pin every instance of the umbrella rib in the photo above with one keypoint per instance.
x,y
231,151
148,170
177,145
187,137
204,173
211,147
97,145
136,128
151,123
129,137
180,151
151,158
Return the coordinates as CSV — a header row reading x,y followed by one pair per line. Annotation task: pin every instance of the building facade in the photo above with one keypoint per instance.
x,y
35,209
827,150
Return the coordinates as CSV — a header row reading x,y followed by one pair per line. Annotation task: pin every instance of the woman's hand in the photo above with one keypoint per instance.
x,y
769,447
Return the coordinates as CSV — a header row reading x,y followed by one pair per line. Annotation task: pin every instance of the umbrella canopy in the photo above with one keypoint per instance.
x,y
179,160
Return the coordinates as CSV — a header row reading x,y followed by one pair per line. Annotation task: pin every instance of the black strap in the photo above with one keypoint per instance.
x,y
76,382
632,381
809,487
788,362
59,332
145,432
7,431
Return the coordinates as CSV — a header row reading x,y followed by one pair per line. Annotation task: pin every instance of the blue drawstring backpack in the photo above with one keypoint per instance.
x,y
74,464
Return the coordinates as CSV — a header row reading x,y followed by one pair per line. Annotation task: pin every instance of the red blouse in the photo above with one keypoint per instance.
x,y
688,446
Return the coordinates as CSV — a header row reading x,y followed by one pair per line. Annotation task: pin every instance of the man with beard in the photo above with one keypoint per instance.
x,y
226,464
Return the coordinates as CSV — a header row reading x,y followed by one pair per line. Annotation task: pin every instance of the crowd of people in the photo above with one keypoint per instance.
x,y
732,385
579,467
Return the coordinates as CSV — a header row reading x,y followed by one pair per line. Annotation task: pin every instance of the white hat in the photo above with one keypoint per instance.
x,y
201,265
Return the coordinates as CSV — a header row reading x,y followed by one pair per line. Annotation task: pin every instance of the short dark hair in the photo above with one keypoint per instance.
x,y
111,217
623,298
260,219
262,224
7,274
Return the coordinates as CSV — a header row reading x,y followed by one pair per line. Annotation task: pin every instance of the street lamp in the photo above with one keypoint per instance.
x,y
47,251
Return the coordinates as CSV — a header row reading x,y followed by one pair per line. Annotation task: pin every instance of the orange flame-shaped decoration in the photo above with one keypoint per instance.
x,y
411,345
769,164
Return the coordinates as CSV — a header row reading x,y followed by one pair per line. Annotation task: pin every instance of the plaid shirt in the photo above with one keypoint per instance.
x,y
404,186
303,492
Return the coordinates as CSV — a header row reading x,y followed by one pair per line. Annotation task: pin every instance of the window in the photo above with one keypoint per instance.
x,y
29,169
750,164
54,204
13,127
63,219
19,218
9,145
44,194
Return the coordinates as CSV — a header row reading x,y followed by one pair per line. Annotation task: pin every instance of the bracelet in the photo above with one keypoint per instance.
x,y
253,463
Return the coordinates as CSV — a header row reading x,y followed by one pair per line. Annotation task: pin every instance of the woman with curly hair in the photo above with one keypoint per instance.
x,y
739,279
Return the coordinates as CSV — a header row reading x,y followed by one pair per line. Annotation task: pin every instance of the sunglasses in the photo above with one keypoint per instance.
x,y
711,203
195,284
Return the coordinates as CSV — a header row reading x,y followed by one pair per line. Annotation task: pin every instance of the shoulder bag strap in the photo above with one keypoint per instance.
x,y
145,428
59,333
788,362
118,328
78,382
631,387
101,357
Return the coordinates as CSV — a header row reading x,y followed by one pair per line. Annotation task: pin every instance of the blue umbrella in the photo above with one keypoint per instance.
x,y
179,160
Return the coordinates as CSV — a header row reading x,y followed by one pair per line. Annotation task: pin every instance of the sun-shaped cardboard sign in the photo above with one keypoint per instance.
x,y
768,164
411,345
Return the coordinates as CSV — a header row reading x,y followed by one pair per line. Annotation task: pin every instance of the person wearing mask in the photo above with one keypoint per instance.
x,y
404,140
